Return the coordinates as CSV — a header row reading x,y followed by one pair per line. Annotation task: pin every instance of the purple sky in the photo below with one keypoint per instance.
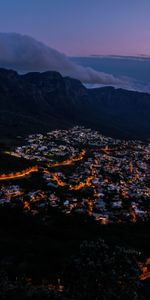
x,y
82,27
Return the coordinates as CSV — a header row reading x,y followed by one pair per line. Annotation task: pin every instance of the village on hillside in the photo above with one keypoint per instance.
x,y
80,171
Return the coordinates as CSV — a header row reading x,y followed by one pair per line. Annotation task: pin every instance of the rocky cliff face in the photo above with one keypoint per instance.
x,y
42,101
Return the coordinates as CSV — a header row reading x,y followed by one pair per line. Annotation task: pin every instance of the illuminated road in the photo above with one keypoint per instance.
x,y
55,177
81,185
86,183
68,161
19,174
35,169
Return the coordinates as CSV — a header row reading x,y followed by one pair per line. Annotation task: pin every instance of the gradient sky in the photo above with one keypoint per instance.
x,y
82,27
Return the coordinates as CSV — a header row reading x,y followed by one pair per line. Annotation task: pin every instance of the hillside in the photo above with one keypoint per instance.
x,y
37,102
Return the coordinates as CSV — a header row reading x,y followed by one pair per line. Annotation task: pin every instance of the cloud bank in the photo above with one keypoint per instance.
x,y
25,54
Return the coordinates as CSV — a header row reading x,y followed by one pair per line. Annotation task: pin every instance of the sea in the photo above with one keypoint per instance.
x,y
135,68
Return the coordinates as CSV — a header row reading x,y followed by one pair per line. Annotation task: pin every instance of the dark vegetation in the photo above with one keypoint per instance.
x,y
40,247
10,163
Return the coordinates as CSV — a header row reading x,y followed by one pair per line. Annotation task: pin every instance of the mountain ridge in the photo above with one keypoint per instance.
x,y
38,102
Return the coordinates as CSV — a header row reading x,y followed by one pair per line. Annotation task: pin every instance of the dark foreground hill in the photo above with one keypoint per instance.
x,y
37,102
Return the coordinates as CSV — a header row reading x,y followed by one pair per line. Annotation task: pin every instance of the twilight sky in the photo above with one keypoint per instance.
x,y
82,27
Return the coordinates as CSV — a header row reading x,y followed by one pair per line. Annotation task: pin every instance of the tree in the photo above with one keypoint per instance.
x,y
102,272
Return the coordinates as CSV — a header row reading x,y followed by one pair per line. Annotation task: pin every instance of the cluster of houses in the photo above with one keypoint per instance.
x,y
87,173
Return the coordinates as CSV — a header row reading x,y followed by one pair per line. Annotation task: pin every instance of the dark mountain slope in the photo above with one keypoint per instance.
x,y
125,113
42,101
